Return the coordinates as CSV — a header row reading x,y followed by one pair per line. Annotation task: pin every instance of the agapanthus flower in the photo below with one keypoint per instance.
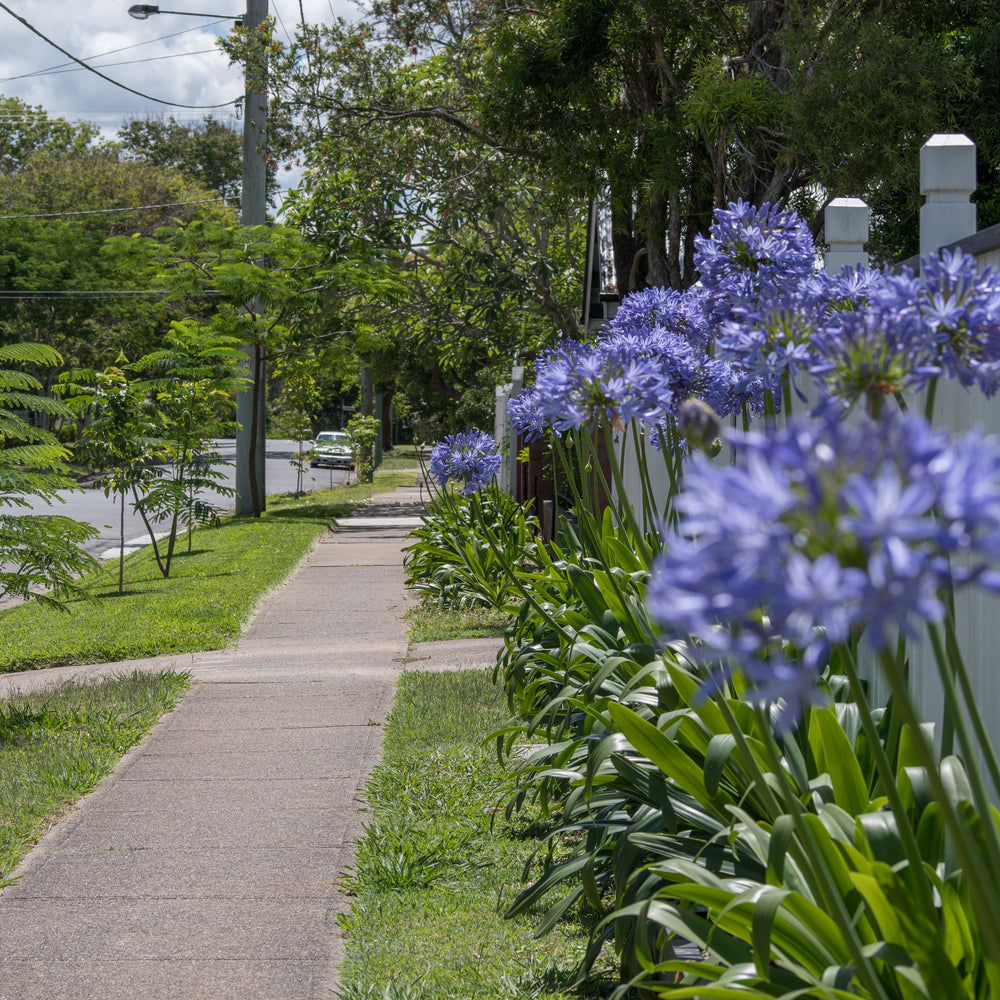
x,y
470,456
825,530
775,338
753,253
578,385
873,352
525,414
680,313
958,311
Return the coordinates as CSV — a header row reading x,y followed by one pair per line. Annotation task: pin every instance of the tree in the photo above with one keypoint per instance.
x,y
25,129
270,288
665,108
192,383
60,289
484,253
685,107
210,153
118,437
149,426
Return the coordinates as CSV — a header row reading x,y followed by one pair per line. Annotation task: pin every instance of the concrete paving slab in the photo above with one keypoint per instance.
x,y
166,980
175,929
454,654
350,741
230,873
170,822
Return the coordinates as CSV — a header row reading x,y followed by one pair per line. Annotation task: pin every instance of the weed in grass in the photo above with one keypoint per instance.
x,y
57,745
435,868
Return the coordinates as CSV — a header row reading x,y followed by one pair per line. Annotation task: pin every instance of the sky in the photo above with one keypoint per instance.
x,y
166,56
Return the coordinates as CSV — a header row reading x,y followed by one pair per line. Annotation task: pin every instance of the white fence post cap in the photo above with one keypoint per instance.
x,y
948,164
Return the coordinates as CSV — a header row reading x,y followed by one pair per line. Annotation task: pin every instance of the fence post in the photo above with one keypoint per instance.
x,y
502,432
846,224
947,181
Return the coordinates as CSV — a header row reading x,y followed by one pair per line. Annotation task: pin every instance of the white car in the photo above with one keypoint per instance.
x,y
332,448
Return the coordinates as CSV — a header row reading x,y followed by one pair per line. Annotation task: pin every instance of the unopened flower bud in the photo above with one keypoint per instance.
x,y
698,423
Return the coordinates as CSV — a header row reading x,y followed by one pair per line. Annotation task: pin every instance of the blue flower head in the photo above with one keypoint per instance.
x,y
753,253
471,456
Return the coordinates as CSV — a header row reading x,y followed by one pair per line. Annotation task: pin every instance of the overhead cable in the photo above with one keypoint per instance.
x,y
123,62
112,52
96,72
108,211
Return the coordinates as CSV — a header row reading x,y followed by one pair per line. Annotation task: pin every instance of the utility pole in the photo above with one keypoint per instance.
x,y
251,434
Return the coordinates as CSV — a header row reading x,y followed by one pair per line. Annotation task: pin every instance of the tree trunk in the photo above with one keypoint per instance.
x,y
367,392
387,396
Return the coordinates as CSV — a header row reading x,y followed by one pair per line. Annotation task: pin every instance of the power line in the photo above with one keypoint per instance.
x,y
108,211
113,52
124,62
138,93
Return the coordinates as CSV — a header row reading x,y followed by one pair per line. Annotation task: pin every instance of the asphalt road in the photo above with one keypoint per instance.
x,y
91,505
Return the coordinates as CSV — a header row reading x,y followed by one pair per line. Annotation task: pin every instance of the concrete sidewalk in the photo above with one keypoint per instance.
x,y
206,866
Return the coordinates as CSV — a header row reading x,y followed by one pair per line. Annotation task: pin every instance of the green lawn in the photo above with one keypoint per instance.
x,y
439,863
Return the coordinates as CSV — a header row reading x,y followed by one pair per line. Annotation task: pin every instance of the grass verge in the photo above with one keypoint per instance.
x,y
429,623
438,863
403,456
205,602
56,745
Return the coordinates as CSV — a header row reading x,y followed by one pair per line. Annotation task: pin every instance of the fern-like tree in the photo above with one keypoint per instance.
x,y
118,437
41,554
150,426
192,383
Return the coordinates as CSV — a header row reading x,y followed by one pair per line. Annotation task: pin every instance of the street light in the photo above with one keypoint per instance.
x,y
140,11
250,403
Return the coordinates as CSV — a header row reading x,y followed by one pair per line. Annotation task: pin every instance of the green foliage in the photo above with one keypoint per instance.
x,y
467,548
477,253
210,152
191,383
56,745
364,431
814,863
429,622
437,861
39,553
25,129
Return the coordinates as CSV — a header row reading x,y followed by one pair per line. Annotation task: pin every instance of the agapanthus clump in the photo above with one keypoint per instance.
x,y
825,530
471,457
751,254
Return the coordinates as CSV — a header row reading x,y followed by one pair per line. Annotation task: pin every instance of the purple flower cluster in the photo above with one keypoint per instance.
x,y
910,329
825,530
753,253
762,315
576,385
470,456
